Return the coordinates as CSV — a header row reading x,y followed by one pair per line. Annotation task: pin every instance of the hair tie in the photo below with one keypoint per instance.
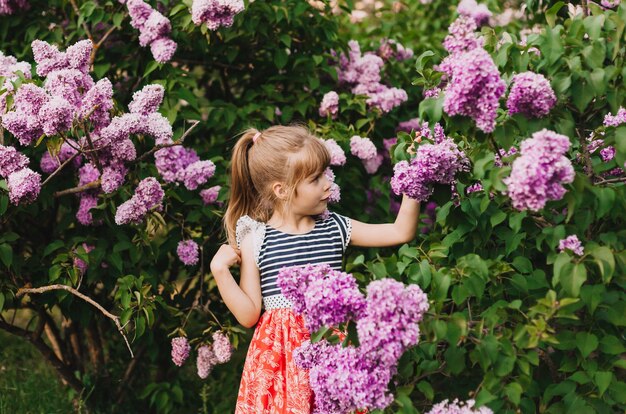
x,y
256,136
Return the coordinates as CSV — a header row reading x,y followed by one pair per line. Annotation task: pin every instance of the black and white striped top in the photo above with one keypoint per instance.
x,y
324,244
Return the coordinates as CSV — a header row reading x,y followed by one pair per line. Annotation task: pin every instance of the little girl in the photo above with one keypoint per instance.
x,y
278,192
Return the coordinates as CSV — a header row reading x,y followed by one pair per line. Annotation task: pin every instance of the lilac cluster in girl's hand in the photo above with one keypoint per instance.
x,y
531,95
187,251
148,195
571,243
215,13
539,173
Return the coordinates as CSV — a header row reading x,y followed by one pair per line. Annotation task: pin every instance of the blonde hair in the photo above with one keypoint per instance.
x,y
286,154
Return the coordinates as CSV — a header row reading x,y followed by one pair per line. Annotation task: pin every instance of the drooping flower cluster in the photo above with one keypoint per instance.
x,y
362,148
531,95
615,120
24,184
324,296
571,243
180,350
209,195
439,162
222,348
456,407
8,7
479,12
215,13
474,87
362,73
337,155
390,48
330,105
539,173
188,252
154,29
206,361
345,379
148,196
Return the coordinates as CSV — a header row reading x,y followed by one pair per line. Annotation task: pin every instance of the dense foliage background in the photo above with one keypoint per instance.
x,y
513,323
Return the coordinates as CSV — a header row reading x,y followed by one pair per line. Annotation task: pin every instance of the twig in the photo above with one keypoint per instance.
x,y
611,180
74,190
58,170
585,154
171,144
116,319
85,28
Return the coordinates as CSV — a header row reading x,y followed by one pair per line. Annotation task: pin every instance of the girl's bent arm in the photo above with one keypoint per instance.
x,y
243,300
389,234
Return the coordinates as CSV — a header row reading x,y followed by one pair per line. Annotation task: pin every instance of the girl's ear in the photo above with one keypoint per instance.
x,y
279,190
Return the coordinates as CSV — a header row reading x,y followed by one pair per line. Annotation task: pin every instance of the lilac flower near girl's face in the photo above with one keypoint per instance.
x,y
209,195
337,155
197,174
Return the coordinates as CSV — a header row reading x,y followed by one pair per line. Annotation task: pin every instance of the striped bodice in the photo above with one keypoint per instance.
x,y
324,244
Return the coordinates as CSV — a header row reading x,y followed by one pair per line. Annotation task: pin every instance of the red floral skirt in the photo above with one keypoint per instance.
x,y
271,382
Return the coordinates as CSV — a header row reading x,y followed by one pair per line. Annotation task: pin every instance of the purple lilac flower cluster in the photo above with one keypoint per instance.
x,y
337,154
433,163
222,348
180,350
148,196
476,187
9,67
215,13
330,105
539,173
8,7
206,361
474,87
391,49
365,150
23,183
345,379
462,36
154,29
188,252
362,73
608,153
615,120
571,243
431,93
209,195
456,407
609,4
324,296
50,162
335,191
531,95
479,12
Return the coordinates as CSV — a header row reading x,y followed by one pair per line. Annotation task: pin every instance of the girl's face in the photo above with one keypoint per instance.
x,y
313,193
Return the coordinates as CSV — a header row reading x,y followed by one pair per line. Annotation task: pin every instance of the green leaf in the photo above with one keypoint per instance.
x,y
561,260
586,343
6,254
1,301
422,59
55,245
426,389
606,262
151,67
603,379
552,12
514,392
280,58
573,278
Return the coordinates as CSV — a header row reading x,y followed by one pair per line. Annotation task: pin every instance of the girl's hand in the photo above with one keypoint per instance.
x,y
225,257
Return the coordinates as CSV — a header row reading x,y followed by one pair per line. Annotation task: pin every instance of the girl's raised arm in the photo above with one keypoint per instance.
x,y
388,234
243,300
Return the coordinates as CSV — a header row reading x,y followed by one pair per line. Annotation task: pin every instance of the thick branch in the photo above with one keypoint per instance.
x,y
115,319
88,186
171,144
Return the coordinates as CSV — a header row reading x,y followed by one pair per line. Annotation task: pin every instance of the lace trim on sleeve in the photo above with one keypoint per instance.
x,y
246,225
349,231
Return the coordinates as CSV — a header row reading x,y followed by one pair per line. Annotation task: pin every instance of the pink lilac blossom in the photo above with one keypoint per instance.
x,y
615,120
180,350
11,161
433,163
209,195
222,348
49,59
197,174
539,173
503,154
335,191
474,87
23,120
456,407
206,361
381,96
474,188
148,196
215,13
571,243
362,148
609,4
608,153
337,155
97,104
49,164
479,12
56,116
24,186
329,105
147,100
372,165
9,66
188,252
172,161
69,84
389,325
325,297
79,263
390,48
8,7
113,177
462,36
87,202
87,174
531,95
154,30
431,93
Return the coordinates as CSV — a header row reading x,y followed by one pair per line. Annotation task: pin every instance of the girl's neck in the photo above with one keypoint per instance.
x,y
291,223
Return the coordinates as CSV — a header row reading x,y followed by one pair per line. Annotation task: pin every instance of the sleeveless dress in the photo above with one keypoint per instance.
x,y
271,382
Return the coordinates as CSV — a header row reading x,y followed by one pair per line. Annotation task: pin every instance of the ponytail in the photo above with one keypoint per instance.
x,y
243,195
